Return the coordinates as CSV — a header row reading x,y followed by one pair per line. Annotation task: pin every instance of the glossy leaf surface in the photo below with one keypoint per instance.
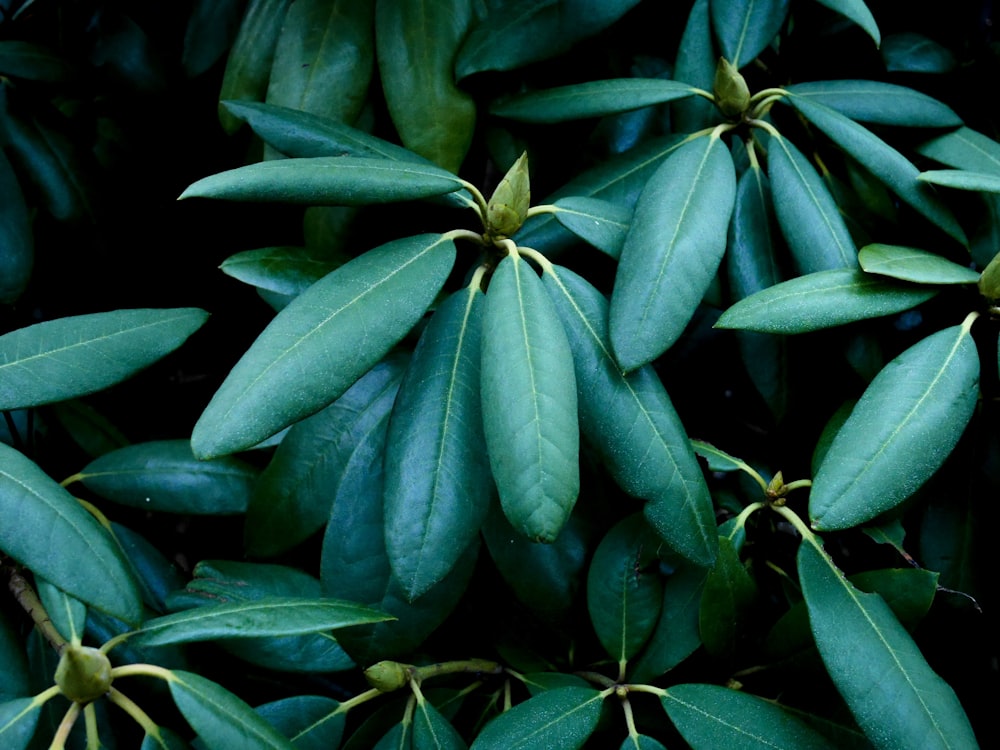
x,y
676,635
899,433
309,721
529,402
965,148
73,356
591,99
910,52
878,102
563,718
340,327
857,11
672,250
695,64
728,594
745,27
282,270
431,731
18,719
601,223
961,179
913,264
822,300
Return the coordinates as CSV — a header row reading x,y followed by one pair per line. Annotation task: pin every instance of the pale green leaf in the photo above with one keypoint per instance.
x,y
591,99
960,179
601,223
744,28
964,148
880,103
282,270
912,264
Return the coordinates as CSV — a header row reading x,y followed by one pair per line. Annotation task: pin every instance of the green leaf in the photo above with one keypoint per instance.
x,y
729,593
326,180
326,338
532,434
532,30
677,634
695,64
601,223
909,52
88,427
623,595
156,575
879,103
900,432
248,66
822,300
16,242
18,719
311,722
961,179
167,740
210,31
69,357
276,616
964,148
745,28
282,270
641,742
563,718
417,44
219,717
896,698
883,161
719,460
909,592
292,498
911,264
632,422
13,662
857,11
69,615
22,59
591,99
711,716
431,731
672,250
165,476
437,474
324,58
39,517
809,218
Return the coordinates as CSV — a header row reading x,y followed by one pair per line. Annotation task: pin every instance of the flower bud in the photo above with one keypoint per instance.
x,y
83,673
508,206
989,280
387,675
732,96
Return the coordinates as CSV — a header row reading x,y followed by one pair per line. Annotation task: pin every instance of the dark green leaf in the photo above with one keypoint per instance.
x,y
529,402
437,474
894,695
728,594
210,31
563,718
68,357
901,430
21,59
810,219
431,731
220,718
311,722
39,517
591,99
745,28
641,742
961,179
965,148
909,52
165,476
283,270
822,300
167,740
677,634
909,592
672,250
654,461
857,11
326,180
292,498
883,161
16,242
711,716
13,663
156,575
18,719
695,64
88,427
601,223
69,615
880,103
319,345
911,264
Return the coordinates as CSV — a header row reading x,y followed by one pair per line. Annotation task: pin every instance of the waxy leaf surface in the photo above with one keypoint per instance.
x,y
601,223
878,102
563,718
309,721
744,28
591,99
915,265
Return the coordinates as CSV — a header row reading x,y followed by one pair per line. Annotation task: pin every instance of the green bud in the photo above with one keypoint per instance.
x,y
989,280
732,96
508,206
387,675
83,673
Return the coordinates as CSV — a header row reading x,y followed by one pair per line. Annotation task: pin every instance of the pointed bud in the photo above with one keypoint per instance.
x,y
508,206
387,675
732,96
989,279
83,673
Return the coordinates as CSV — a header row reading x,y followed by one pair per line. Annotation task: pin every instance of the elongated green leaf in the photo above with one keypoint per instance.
x,y
68,357
653,460
156,575
711,716
912,264
857,11
18,719
210,31
719,460
292,498
219,717
322,180
39,517
249,64
695,64
529,402
601,223
324,58
274,616
894,695
672,250
591,99
417,44
13,662
69,615
437,474
677,635
899,433
533,30
623,596
283,270
323,341
16,242
744,28
880,103
431,731
910,52
807,213
822,300
641,742
21,59
729,593
563,718
883,161
309,721
164,475
961,179
964,148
